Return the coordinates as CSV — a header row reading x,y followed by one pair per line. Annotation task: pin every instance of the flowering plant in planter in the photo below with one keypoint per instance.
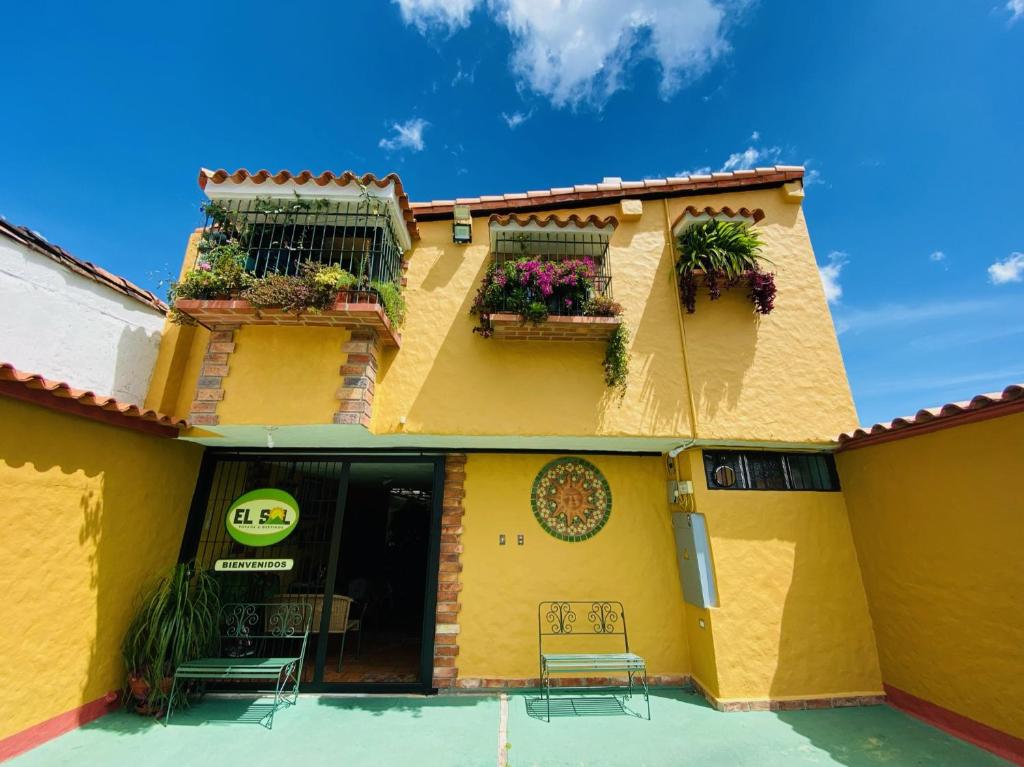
x,y
533,289
723,254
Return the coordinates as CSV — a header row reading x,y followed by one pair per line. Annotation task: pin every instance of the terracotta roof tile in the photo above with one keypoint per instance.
x,y
61,396
561,223
207,176
1010,400
756,213
35,241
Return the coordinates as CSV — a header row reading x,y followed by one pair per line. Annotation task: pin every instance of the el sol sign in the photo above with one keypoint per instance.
x,y
262,517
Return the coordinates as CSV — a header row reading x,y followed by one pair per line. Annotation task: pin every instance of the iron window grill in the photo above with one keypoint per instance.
x,y
512,245
280,235
766,470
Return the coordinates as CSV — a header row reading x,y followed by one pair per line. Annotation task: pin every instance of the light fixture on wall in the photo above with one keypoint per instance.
x,y
462,225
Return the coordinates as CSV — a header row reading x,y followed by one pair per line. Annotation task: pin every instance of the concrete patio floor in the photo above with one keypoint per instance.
x,y
464,730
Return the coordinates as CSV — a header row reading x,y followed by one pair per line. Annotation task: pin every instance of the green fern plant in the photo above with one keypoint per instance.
x,y
392,301
724,252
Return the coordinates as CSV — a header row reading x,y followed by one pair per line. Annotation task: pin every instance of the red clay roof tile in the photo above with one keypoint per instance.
x,y
207,176
1010,400
35,388
35,241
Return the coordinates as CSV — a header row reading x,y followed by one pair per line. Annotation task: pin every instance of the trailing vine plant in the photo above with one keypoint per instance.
x,y
723,254
534,289
616,360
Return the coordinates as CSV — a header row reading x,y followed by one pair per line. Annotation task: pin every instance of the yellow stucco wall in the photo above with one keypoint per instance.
x,y
778,377
94,511
939,524
283,375
792,620
632,559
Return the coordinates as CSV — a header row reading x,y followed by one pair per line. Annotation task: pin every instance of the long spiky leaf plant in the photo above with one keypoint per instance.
x,y
176,622
723,252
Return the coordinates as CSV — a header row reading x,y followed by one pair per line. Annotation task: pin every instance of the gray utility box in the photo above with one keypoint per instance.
x,y
693,552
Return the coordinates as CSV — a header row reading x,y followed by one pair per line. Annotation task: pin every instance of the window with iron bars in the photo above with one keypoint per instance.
x,y
563,245
279,235
767,470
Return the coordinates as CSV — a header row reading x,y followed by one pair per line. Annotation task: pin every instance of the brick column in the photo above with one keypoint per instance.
x,y
358,377
446,637
210,386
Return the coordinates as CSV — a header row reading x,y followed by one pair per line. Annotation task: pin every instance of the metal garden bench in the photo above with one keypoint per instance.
x,y
248,631
598,618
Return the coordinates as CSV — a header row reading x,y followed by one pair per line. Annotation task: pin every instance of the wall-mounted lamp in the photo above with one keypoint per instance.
x,y
462,225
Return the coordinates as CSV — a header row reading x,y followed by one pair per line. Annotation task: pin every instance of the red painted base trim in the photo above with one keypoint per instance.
x,y
998,742
37,734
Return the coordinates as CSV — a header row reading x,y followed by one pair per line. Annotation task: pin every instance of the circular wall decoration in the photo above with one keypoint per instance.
x,y
571,499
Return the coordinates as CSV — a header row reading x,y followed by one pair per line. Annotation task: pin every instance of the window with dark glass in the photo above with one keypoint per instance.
x,y
767,470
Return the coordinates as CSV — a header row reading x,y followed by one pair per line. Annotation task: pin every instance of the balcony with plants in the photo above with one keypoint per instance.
x,y
295,261
548,279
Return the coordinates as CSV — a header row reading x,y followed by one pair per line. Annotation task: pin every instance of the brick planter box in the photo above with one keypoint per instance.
x,y
512,327
352,310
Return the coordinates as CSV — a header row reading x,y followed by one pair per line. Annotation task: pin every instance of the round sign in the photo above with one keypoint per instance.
x,y
571,499
262,517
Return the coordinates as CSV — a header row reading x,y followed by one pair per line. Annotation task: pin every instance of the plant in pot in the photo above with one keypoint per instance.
x,y
723,254
177,621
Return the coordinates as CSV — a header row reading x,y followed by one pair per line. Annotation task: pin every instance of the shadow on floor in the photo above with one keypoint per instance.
x,y
579,705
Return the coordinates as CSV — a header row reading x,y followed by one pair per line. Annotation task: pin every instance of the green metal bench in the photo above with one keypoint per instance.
x,y
568,619
247,630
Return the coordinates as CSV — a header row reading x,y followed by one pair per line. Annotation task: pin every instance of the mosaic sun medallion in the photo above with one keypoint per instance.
x,y
571,499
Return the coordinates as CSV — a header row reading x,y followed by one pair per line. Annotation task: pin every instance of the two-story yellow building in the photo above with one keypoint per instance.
x,y
457,470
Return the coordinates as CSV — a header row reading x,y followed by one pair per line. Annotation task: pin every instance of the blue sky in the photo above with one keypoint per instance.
x,y
909,117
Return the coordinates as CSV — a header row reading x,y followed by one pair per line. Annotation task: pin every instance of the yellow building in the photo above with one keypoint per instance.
x,y
476,427
491,427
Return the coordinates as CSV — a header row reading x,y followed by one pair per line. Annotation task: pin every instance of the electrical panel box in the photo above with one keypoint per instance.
x,y
693,552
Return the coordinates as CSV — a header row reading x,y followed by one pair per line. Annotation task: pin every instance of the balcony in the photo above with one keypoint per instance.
x,y
549,279
277,237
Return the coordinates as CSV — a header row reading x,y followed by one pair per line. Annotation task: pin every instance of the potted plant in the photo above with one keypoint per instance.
x,y
177,621
723,254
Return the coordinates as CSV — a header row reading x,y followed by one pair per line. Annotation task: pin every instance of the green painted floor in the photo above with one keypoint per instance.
x,y
684,730
455,731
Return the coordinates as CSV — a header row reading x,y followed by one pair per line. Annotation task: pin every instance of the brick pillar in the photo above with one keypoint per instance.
x,y
210,386
446,637
358,377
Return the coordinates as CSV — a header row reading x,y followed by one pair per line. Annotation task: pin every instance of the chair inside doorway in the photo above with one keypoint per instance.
x,y
376,622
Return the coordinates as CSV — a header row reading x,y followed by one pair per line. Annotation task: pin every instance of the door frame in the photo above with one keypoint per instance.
x,y
194,528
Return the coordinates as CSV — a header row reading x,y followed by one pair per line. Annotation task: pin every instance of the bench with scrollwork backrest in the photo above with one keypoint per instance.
x,y
247,629
590,618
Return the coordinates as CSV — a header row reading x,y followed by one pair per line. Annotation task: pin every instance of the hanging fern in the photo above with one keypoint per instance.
x,y
722,254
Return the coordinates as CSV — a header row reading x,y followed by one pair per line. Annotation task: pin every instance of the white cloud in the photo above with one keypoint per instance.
x,y
1016,9
830,276
451,15
578,51
467,75
937,256
755,136
702,171
1010,269
751,157
407,135
812,176
515,119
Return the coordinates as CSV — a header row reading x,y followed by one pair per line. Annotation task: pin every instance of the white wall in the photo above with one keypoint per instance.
x,y
67,327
